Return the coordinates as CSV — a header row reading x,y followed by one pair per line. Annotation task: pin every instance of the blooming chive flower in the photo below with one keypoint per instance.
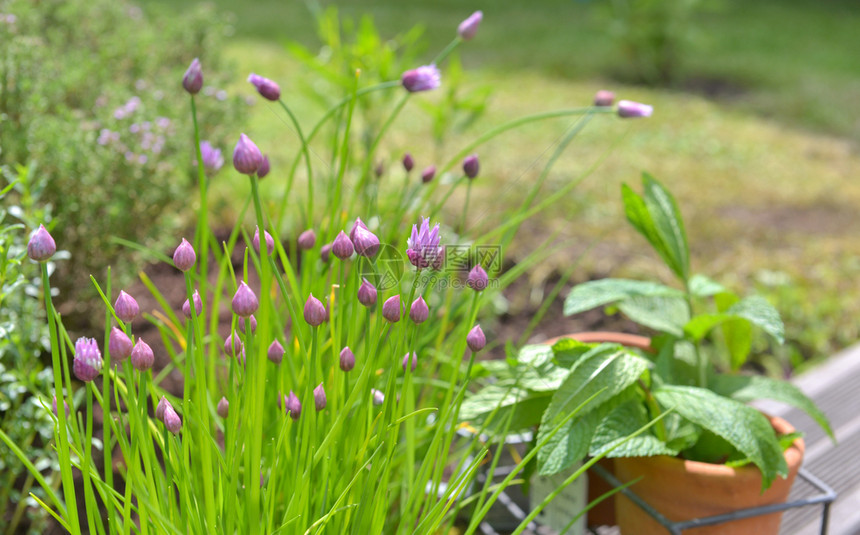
x,y
411,362
423,244
319,397
471,166
198,305
391,309
365,242
293,406
408,162
171,420
212,158
270,242
419,312
184,256
307,239
476,339
233,345
342,246
367,294
477,279
88,359
469,27
223,407
41,246
264,168
119,344
275,352
347,359
246,156
428,174
193,79
314,311
604,98
126,307
423,78
244,301
142,357
162,406
378,397
267,88
629,109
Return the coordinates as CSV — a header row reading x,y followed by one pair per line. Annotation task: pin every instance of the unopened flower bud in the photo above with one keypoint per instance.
x,y
469,27
119,344
171,420
314,311
325,252
307,239
629,109
378,397
419,312
367,293
476,339
161,407
88,359
477,279
41,246
184,256
342,246
198,305
246,156
270,242
251,321
423,78
428,173
264,168
233,345
54,407
223,407
391,309
347,359
471,166
319,397
293,406
355,226
142,357
267,88
604,98
244,301
408,162
366,243
126,307
193,79
275,352
410,360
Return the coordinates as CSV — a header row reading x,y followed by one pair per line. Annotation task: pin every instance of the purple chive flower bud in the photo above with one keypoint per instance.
x,y
314,311
119,344
419,312
171,420
347,359
423,245
411,362
88,359
212,158
428,174
246,156
378,397
627,108
184,256
365,242
264,168
477,279
423,78
471,166
469,27
267,88
142,357
223,407
41,246
319,397
198,305
275,352
244,301
391,309
604,98
126,307
233,345
342,246
325,252
270,242
54,407
193,79
293,406
307,239
251,321
367,294
476,339
408,162
162,406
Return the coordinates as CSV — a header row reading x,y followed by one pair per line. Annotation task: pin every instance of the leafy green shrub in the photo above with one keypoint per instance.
x,y
88,91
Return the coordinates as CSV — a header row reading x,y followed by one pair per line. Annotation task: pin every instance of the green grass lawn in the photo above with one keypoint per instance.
x,y
765,171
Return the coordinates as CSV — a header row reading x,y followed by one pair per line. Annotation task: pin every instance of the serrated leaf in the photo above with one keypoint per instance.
x,y
593,294
668,223
702,286
664,314
567,351
751,387
569,445
619,424
742,426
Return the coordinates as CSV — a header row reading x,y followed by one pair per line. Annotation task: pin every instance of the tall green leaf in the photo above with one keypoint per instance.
x,y
742,426
593,294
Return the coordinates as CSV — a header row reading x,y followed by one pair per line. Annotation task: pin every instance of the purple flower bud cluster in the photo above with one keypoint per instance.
x,y
314,312
275,353
184,256
166,413
126,307
423,245
247,157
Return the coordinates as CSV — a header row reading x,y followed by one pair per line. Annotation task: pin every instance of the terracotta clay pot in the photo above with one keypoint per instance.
x,y
683,490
